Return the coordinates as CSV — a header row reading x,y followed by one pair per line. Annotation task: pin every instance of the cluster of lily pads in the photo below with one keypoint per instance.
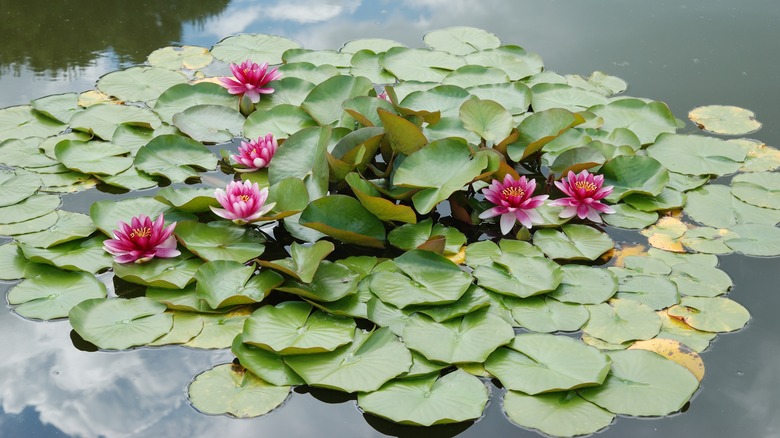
x,y
366,256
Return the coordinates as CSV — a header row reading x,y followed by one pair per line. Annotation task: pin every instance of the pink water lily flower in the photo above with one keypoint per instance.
x,y
142,240
513,202
584,192
242,202
250,80
255,154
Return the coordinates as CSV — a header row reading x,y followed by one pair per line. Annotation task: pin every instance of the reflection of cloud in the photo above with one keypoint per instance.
x,y
242,14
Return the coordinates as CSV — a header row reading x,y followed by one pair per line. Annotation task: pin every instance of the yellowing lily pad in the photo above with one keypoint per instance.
x,y
724,119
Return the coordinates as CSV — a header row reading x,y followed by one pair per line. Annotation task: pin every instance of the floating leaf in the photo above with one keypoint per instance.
x,y
443,99
622,320
93,157
468,339
573,242
174,157
724,119
384,209
698,280
562,414
642,383
103,120
219,241
487,118
634,174
672,328
303,156
219,330
324,102
441,168
12,262
257,48
547,315
31,226
367,64
519,276
585,285
174,273
514,60
716,206
210,123
292,328
362,366
515,96
420,64
428,400
30,208
15,188
22,122
536,363
224,283
267,365
461,40
755,240
344,218
411,236
85,255
139,84
427,278
646,120
331,282
184,57
118,324
106,214
696,154
674,351
547,96
710,314
655,292
231,389
186,325
53,293
183,96
760,189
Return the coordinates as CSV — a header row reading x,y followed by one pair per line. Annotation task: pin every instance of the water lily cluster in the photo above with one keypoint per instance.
x,y
441,202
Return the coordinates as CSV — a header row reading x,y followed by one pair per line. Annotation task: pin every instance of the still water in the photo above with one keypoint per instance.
x,y
685,53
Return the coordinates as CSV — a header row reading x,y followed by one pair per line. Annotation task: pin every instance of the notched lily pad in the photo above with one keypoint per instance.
x,y
724,119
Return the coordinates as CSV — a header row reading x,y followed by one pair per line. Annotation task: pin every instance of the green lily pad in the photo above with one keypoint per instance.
x,y
468,339
474,75
303,156
22,122
487,118
12,262
93,157
646,119
514,60
411,236
219,330
760,157
426,278
547,96
755,240
24,153
30,208
59,107
656,292
103,120
304,262
444,99
224,283
118,324
515,96
708,240
362,366
440,169
474,299
461,40
547,315
428,400
53,293
366,63
715,205
702,281
324,102
231,389
69,226
534,363
344,218
15,188
257,48
210,123
585,285
265,364
573,242
188,199
562,414
292,328
219,241
760,189
404,136
173,273
282,121
696,154
139,84
376,45
643,383
182,299
174,157
622,320
287,91
519,275
420,64
177,58
183,96
540,129
85,255
710,314
384,209
30,226
724,119
331,282
107,214
186,325
634,174
672,328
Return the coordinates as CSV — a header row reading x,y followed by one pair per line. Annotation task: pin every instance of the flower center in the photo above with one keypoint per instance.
x,y
244,198
585,185
512,191
140,232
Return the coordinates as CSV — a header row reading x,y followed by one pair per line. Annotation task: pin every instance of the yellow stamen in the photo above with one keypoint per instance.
x,y
589,186
512,191
141,232
244,198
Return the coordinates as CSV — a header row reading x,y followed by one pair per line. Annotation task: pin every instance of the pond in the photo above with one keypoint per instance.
x,y
685,54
